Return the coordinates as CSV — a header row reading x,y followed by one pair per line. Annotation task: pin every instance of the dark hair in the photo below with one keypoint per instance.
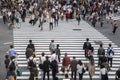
x,y
52,40
102,66
66,75
43,53
87,39
74,57
11,46
47,57
6,56
110,45
30,41
80,62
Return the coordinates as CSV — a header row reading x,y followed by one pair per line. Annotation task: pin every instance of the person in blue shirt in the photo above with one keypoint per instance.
x,y
11,51
110,54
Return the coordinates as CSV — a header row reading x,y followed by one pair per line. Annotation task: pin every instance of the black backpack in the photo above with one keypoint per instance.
x,y
30,63
12,65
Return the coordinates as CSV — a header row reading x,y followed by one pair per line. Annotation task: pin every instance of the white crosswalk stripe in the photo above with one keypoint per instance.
x,y
70,41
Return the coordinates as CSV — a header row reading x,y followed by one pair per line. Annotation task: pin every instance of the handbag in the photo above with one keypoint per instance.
x,y
41,66
83,70
19,72
63,69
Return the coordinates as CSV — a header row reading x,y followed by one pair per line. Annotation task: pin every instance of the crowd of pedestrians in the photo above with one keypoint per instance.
x,y
51,63
52,11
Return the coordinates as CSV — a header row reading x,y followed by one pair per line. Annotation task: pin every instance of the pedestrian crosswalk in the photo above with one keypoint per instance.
x,y
70,41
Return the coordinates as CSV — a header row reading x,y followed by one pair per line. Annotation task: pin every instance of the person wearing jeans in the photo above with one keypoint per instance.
x,y
110,54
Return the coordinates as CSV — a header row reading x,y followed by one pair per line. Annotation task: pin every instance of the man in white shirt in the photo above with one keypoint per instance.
x,y
54,57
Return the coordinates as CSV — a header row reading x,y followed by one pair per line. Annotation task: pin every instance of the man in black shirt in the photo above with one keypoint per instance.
x,y
46,67
31,45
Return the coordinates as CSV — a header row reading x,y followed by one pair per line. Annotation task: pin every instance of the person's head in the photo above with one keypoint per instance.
x,y
52,40
47,58
87,39
30,41
43,53
6,56
53,52
102,66
11,46
110,45
66,75
80,62
74,57
65,54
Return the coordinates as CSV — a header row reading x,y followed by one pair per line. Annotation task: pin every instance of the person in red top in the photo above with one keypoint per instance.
x,y
67,15
66,62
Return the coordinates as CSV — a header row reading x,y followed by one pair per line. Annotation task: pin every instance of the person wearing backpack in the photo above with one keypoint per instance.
x,y
87,47
12,68
31,45
12,65
110,54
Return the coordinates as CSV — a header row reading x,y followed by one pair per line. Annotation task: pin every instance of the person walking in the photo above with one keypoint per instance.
x,y
42,58
57,50
32,18
103,73
51,23
110,54
101,52
7,62
67,15
4,17
78,18
41,22
54,67
65,62
114,25
86,47
91,67
73,67
11,51
23,14
53,57
46,68
80,67
56,19
52,46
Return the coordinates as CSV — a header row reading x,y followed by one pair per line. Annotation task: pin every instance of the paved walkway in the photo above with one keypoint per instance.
x,y
69,35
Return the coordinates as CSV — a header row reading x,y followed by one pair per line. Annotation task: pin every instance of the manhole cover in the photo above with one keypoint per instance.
x,y
98,42
77,29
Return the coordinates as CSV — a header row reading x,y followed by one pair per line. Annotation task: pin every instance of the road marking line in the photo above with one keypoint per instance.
x,y
7,43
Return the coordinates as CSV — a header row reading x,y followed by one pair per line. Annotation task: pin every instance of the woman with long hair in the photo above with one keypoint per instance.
x,y
91,67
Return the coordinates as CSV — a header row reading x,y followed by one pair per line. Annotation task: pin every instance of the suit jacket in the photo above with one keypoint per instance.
x,y
46,65
73,65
